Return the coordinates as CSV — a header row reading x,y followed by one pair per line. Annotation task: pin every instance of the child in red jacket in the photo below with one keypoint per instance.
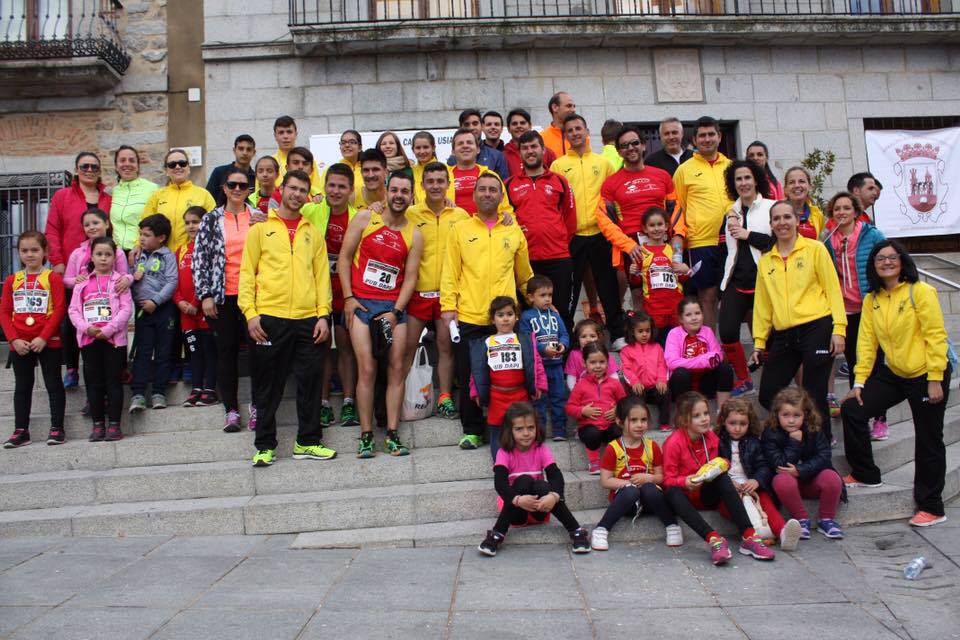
x,y
593,403
687,488
643,365
197,334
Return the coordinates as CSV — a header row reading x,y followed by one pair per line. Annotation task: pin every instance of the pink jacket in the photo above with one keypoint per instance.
x,y
80,258
63,231
643,363
673,352
121,306
604,394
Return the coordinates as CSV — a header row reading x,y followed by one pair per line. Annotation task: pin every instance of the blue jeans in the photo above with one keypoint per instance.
x,y
555,399
153,341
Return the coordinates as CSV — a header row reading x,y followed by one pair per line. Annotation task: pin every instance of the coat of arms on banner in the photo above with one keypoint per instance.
x,y
919,171
922,191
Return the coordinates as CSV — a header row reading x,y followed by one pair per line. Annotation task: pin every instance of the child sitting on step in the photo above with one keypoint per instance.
x,y
528,481
593,404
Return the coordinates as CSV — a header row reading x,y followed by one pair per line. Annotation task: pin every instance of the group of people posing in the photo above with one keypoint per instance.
x,y
489,251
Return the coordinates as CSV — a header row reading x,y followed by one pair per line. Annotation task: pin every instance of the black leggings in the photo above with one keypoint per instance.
x,y
593,438
734,306
661,401
631,499
711,380
202,347
23,386
102,364
229,327
720,491
511,515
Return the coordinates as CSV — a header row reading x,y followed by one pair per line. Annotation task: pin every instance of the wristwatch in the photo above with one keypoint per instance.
x,y
397,312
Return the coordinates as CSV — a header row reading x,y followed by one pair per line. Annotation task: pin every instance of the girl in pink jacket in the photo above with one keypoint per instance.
x,y
694,356
644,367
593,403
100,312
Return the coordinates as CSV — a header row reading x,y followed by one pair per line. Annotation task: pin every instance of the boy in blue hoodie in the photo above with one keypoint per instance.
x,y
552,342
154,281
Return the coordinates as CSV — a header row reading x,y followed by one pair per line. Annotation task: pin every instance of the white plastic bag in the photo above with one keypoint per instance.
x,y
418,389
758,518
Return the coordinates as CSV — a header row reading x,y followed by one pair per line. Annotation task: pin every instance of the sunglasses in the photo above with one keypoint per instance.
x,y
173,164
88,167
632,143
237,185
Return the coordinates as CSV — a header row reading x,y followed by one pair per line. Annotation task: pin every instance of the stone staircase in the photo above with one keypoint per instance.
x,y
177,473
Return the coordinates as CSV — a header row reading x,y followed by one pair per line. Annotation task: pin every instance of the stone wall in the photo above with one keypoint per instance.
x,y
795,99
45,134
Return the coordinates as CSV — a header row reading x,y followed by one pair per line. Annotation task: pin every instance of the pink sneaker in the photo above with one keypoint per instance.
x,y
880,430
594,467
753,546
719,550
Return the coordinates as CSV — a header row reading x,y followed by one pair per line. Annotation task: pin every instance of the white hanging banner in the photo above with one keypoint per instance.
x,y
326,148
920,174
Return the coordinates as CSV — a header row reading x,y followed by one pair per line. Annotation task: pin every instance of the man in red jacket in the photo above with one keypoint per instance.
x,y
544,205
518,123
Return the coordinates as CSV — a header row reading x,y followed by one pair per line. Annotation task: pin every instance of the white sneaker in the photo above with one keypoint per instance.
x,y
674,535
598,539
790,535
618,344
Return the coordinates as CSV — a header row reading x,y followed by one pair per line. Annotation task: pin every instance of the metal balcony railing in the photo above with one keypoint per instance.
x,y
48,29
305,13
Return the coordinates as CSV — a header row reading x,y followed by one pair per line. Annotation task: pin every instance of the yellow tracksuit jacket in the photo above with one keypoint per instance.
x,y
702,200
435,231
586,175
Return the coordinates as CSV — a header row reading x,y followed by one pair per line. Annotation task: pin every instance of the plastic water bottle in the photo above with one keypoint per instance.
x,y
913,570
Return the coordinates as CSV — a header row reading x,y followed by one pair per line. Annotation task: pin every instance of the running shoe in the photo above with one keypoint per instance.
x,y
830,528
471,442
666,427
880,430
191,400
719,550
790,535
843,369
753,546
326,415
804,528
348,415
98,433
113,432
491,543
852,482
560,437
263,458
393,445
834,405
57,436
207,398
20,438
72,379
446,408
744,387
252,422
674,535
598,539
313,452
365,450
594,467
158,401
137,404
581,540
231,421
926,519
618,344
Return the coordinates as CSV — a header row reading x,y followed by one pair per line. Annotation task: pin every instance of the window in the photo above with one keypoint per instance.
x,y
24,201
728,136
36,19
423,9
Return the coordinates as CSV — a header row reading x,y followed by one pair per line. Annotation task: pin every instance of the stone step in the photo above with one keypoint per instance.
x,y
354,513
236,477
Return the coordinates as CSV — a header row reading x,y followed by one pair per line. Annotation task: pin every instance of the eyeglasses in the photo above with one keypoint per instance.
x,y
344,143
173,164
891,259
237,185
88,167
632,143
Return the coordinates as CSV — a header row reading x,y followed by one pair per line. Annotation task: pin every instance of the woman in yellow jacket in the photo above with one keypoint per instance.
x,y
798,314
179,195
902,316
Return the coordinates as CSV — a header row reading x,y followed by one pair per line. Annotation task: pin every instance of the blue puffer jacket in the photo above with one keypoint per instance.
x,y
751,457
869,237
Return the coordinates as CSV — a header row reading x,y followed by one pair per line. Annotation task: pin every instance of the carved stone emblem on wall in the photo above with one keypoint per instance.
x,y
678,75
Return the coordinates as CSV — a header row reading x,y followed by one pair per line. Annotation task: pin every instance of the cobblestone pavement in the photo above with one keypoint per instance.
x,y
255,587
